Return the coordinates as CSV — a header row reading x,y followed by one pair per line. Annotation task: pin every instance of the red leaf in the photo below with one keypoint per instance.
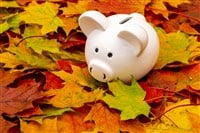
x,y
153,94
64,65
5,125
52,81
14,100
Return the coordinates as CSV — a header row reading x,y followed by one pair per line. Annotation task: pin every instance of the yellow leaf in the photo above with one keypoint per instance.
x,y
75,8
79,76
10,60
158,6
73,95
49,125
43,14
179,116
70,23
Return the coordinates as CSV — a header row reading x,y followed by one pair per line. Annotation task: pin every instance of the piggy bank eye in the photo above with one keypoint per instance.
x,y
96,50
110,55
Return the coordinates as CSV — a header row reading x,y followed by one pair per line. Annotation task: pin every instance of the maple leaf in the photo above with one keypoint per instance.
x,y
53,81
14,100
118,6
194,47
177,114
47,112
73,95
108,121
79,75
5,125
173,48
128,99
158,6
75,8
7,77
43,14
29,57
49,125
102,117
10,60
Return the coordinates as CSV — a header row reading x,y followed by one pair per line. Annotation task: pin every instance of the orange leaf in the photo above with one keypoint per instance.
x,y
187,28
73,122
118,6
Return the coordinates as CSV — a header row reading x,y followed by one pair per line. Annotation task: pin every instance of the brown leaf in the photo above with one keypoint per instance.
x,y
14,100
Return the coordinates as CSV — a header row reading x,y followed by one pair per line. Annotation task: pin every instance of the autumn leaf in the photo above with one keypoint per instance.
x,y
159,6
7,77
79,76
47,112
73,122
73,95
5,125
28,57
170,44
102,116
178,117
42,14
49,125
117,6
14,100
128,99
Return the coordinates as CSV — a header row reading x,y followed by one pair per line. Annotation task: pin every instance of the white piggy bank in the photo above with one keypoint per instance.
x,y
120,46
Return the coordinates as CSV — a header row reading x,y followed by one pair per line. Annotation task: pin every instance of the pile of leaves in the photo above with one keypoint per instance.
x,y
45,86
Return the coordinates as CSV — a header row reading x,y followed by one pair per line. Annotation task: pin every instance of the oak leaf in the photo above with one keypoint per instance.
x,y
73,95
128,99
14,100
43,14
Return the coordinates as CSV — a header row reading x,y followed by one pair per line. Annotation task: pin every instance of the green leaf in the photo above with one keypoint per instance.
x,y
4,27
35,60
51,111
42,14
173,48
128,99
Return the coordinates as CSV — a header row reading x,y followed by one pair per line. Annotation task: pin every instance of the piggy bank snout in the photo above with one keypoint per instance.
x,y
100,71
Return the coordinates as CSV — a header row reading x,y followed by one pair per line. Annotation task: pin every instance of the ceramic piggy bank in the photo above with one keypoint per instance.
x,y
122,46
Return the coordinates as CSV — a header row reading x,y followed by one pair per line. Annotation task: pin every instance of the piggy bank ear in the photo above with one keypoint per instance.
x,y
92,20
136,36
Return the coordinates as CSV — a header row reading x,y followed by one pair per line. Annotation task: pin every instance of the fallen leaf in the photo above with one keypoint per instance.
x,y
128,99
73,122
14,100
159,6
106,121
47,112
187,28
7,77
170,44
49,125
73,95
37,13
5,125
53,81
78,76
118,6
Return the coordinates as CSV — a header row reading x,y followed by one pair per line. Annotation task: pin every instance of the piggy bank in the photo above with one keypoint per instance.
x,y
121,46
